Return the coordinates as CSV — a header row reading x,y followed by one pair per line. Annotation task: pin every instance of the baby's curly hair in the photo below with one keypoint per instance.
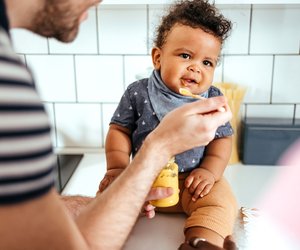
x,y
196,14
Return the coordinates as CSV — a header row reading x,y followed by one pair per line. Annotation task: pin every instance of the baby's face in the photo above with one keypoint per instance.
x,y
187,59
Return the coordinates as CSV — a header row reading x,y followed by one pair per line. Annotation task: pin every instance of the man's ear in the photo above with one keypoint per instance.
x,y
156,54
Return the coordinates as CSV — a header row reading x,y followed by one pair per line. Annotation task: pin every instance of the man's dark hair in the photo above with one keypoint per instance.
x,y
196,14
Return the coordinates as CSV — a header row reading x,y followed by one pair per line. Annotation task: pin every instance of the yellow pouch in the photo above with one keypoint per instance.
x,y
168,177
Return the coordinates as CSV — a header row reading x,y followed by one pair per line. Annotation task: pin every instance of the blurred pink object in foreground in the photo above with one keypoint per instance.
x,y
282,199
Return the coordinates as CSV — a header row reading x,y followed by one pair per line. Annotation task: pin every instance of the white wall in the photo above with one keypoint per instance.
x,y
82,82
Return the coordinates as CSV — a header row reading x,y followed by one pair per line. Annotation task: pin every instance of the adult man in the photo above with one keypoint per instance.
x,y
31,213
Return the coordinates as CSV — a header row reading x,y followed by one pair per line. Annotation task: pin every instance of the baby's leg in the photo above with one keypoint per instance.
x,y
211,217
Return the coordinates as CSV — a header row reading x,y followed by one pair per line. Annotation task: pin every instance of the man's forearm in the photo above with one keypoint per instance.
x,y
114,212
75,204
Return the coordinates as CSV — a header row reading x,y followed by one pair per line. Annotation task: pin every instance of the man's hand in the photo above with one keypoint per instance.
x,y
155,194
229,244
192,125
199,182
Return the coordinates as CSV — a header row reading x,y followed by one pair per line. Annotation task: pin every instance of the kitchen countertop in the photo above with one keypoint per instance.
x,y
87,176
92,167
85,181
166,229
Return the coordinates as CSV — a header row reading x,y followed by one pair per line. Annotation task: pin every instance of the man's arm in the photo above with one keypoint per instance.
x,y
41,223
108,219
75,203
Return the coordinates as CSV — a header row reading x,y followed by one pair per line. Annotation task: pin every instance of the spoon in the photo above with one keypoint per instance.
x,y
186,92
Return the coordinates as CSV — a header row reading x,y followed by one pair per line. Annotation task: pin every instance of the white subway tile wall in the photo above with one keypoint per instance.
x,y
238,41
253,72
286,87
272,27
271,110
123,29
55,77
99,78
27,42
78,125
82,82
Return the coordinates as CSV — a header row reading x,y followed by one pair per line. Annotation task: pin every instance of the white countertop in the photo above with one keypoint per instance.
x,y
87,176
165,231
92,167
85,181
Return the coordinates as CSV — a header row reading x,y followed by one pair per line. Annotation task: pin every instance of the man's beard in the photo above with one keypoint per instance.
x,y
58,20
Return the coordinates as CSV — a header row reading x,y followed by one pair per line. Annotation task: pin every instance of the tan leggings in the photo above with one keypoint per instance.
x,y
216,211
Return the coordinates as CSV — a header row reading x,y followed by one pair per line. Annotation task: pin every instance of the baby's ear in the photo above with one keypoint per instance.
x,y
156,54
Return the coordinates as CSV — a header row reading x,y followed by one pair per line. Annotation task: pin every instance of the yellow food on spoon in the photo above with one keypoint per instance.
x,y
186,92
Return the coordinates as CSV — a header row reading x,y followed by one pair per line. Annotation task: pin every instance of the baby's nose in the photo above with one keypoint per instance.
x,y
194,68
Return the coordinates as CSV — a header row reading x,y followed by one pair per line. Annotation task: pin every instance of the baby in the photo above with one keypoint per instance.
x,y
186,52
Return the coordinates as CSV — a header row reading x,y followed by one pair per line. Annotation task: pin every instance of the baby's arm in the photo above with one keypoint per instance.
x,y
217,154
117,151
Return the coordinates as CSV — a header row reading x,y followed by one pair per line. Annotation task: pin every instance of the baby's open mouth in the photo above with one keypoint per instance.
x,y
188,81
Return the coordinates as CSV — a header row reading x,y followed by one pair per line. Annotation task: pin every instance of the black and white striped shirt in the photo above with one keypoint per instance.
x,y
26,157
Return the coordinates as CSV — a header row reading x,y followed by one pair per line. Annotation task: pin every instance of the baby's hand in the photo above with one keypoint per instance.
x,y
109,177
199,182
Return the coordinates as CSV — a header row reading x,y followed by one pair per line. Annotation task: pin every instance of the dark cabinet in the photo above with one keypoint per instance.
x,y
65,167
265,140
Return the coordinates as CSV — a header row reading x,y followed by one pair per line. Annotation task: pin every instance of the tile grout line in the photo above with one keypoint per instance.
x,y
75,80
272,79
250,29
97,31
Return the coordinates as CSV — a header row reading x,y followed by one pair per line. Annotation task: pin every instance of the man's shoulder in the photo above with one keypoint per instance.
x,y
17,88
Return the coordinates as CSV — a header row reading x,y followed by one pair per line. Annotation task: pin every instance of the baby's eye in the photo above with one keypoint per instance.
x,y
208,63
185,56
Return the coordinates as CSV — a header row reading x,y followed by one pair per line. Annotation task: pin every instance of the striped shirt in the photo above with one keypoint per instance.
x,y
26,157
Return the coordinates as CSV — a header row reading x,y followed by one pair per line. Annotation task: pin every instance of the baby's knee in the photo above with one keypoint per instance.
x,y
220,198
216,211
